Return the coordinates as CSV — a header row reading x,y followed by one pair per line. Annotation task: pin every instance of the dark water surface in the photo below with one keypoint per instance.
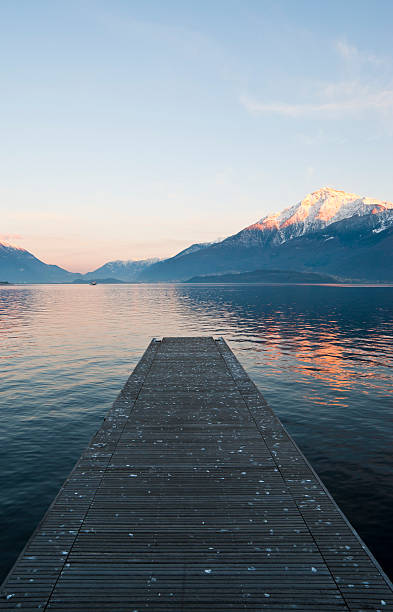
x,y
322,357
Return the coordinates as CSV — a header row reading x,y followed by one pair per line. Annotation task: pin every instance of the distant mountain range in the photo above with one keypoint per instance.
x,y
19,266
329,232
123,270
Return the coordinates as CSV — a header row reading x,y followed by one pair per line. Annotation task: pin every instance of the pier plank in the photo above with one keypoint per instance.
x,y
192,496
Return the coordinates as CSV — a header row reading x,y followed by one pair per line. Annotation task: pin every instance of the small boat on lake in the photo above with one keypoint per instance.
x,y
93,283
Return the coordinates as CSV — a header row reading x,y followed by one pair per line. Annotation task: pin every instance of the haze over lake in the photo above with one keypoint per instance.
x,y
321,355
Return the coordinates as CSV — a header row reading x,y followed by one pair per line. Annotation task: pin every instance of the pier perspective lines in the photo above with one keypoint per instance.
x,y
192,496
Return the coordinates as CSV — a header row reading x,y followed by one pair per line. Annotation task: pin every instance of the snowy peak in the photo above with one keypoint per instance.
x,y
317,210
329,231
124,270
129,263
5,246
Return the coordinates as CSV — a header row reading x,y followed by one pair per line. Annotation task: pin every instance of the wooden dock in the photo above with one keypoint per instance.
x,y
192,496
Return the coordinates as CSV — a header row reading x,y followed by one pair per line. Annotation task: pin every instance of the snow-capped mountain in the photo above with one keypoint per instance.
x,y
329,231
323,233
316,211
127,270
20,266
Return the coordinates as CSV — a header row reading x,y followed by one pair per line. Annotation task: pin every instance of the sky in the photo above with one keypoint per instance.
x,y
132,129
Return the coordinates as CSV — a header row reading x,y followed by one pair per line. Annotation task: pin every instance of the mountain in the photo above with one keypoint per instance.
x,y
198,246
19,266
329,231
266,276
318,210
122,270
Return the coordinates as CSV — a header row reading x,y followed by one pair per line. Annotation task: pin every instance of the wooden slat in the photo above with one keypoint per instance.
x,y
192,496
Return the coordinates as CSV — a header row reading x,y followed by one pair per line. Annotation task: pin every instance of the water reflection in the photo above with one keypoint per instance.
x,y
322,356
336,336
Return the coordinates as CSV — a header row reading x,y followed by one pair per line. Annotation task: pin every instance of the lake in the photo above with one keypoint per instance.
x,y
321,355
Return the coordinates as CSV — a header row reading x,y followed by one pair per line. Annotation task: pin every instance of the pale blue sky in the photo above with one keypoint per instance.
x,y
132,129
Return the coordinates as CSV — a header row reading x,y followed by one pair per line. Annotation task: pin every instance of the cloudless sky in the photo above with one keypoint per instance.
x,y
130,129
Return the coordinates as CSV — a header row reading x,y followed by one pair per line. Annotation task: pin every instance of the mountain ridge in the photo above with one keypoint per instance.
x,y
124,270
329,231
317,210
19,265
265,243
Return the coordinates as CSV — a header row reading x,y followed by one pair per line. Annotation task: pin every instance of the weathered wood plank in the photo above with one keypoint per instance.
x,y
192,496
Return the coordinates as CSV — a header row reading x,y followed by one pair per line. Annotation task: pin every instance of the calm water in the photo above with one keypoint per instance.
x,y
322,356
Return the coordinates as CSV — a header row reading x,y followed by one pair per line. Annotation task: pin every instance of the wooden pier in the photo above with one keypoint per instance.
x,y
192,496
